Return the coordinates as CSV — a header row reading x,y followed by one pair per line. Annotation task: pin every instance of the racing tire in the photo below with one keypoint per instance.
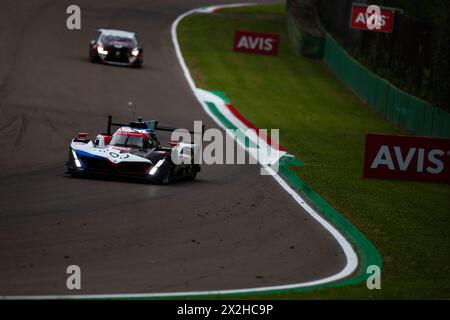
x,y
193,175
167,178
93,58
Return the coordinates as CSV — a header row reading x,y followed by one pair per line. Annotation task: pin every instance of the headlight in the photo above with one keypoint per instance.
x,y
75,157
155,168
135,52
153,171
102,50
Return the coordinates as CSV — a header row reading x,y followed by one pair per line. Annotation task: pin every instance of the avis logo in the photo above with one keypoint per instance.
x,y
384,157
372,18
256,42
407,157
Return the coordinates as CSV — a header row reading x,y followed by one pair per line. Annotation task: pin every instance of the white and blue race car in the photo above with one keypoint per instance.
x,y
134,150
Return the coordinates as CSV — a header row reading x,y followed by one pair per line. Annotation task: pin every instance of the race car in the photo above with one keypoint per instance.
x,y
134,150
116,47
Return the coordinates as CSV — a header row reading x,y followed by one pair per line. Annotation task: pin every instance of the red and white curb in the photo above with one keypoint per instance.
x,y
265,151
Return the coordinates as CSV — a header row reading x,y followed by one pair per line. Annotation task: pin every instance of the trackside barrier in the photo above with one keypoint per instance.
x,y
396,105
399,107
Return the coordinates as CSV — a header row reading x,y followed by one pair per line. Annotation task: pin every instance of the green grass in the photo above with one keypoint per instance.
x,y
324,125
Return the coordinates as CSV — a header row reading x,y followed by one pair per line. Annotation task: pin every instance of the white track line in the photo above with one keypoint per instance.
x,y
350,254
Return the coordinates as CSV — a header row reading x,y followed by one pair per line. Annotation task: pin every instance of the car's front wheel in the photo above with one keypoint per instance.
x,y
93,57
165,174
193,170
138,65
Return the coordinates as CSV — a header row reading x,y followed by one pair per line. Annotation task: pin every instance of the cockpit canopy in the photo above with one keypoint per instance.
x,y
132,139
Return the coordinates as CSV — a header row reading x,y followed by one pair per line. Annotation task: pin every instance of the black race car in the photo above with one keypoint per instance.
x,y
116,47
134,150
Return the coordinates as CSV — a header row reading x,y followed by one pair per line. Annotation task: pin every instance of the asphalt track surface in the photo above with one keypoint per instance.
x,y
232,228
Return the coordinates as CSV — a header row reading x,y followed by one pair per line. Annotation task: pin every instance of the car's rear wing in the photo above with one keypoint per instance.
x,y
149,124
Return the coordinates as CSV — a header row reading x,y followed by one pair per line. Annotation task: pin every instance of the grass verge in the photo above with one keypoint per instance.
x,y
324,124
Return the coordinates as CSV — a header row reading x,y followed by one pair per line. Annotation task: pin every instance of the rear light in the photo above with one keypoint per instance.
x,y
82,134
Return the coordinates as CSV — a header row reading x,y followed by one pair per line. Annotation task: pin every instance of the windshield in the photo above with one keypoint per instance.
x,y
109,39
130,141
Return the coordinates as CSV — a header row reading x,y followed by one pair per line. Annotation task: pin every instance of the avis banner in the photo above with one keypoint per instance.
x,y
360,18
256,42
407,157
